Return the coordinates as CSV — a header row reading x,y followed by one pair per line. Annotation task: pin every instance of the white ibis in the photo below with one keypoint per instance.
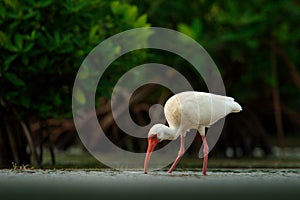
x,y
185,111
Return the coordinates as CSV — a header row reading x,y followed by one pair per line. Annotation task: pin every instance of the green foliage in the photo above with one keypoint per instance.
x,y
255,45
43,43
240,37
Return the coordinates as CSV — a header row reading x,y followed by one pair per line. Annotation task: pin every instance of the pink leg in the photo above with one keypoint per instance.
x,y
180,153
205,152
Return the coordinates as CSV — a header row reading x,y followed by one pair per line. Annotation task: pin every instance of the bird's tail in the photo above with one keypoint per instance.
x,y
236,107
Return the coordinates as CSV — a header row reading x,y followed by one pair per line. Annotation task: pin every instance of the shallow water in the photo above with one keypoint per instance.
x,y
135,177
116,184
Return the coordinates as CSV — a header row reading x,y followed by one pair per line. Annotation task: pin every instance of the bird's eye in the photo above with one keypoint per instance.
x,y
154,136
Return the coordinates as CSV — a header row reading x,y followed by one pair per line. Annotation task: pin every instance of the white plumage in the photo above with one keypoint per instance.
x,y
189,110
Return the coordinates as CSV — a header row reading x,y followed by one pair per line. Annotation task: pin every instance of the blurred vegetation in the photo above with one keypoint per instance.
x,y
255,45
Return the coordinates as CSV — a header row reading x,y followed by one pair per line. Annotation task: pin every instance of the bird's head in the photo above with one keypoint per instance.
x,y
156,134
157,131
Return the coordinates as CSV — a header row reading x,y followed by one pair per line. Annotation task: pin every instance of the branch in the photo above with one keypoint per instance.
x,y
293,69
27,135
30,143
276,100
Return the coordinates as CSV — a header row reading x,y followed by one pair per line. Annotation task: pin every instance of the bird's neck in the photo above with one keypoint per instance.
x,y
170,133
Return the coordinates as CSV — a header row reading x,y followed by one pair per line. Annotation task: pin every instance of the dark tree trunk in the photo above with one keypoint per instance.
x,y
12,141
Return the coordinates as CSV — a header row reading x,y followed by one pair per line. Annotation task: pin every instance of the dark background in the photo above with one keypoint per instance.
x,y
255,45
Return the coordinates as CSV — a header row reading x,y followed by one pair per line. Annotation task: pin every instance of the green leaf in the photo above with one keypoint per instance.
x,y
8,61
57,38
33,35
79,96
197,27
45,109
83,74
14,79
25,101
115,7
186,30
130,13
28,47
25,60
3,38
57,99
93,32
11,3
18,41
141,21
11,48
44,3
252,43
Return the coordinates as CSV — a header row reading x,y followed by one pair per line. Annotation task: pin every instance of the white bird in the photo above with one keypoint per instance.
x,y
185,111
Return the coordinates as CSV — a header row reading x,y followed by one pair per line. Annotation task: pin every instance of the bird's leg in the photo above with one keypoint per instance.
x,y
180,153
205,152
